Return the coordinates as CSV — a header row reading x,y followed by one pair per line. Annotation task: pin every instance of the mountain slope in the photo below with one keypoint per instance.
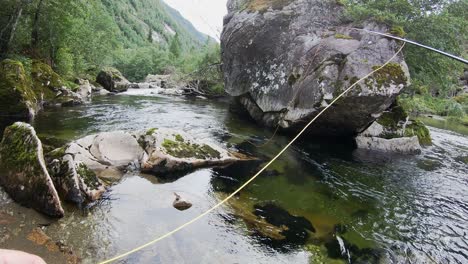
x,y
137,19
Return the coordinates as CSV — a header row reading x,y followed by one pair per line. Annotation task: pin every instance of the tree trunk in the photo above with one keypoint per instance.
x,y
35,29
9,32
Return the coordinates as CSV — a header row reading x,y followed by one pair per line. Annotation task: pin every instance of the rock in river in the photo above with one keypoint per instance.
x,y
23,172
286,60
181,204
156,151
394,132
112,80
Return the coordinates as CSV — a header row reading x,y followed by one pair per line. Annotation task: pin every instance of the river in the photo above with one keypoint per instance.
x,y
332,203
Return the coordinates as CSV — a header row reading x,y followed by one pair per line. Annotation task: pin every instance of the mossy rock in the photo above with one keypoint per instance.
x,y
181,149
24,174
417,128
112,80
17,99
46,82
342,36
392,119
263,5
89,177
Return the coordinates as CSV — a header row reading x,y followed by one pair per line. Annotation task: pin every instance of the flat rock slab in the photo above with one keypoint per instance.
x,y
172,151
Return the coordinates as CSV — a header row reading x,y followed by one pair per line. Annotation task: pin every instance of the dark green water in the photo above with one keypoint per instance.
x,y
322,202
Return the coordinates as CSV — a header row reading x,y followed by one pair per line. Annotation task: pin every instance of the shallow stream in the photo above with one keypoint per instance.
x,y
322,202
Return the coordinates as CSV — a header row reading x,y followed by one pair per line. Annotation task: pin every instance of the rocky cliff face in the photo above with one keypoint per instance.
x,y
287,59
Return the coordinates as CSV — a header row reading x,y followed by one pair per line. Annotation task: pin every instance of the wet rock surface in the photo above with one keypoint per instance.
x,y
181,204
112,80
287,60
23,170
394,132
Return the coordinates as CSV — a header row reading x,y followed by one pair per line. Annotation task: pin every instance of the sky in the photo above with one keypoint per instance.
x,y
205,15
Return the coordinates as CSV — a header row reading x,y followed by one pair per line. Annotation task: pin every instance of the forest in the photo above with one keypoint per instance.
x,y
78,38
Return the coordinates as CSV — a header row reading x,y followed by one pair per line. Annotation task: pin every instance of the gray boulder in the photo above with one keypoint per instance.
x,y
394,132
112,80
85,89
23,172
286,60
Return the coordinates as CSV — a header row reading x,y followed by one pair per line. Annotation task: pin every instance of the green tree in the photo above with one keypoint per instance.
x,y
175,47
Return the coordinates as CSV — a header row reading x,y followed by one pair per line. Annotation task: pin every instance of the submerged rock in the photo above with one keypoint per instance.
x,y
112,80
23,172
286,60
394,132
181,204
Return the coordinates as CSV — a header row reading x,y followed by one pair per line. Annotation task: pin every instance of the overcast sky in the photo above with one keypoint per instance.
x,y
205,15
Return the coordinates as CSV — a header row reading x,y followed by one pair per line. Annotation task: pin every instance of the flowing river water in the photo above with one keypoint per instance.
x,y
322,202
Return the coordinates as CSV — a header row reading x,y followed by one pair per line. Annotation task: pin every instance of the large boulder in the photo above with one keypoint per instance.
x,y
23,172
112,80
394,132
286,60
17,100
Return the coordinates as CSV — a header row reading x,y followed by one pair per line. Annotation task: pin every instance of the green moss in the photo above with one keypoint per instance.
x,y
57,153
182,149
16,96
19,149
398,31
417,128
45,81
353,80
392,73
391,119
151,131
88,176
179,138
263,5
342,36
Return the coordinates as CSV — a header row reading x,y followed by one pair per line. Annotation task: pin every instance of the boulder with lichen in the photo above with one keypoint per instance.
x,y
23,172
285,60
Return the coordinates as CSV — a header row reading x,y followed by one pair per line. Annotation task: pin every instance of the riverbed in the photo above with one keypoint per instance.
x,y
333,204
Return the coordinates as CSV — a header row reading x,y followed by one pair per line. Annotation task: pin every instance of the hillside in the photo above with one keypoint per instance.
x,y
137,19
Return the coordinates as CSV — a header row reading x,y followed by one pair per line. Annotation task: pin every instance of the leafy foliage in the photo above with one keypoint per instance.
x,y
80,37
442,24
